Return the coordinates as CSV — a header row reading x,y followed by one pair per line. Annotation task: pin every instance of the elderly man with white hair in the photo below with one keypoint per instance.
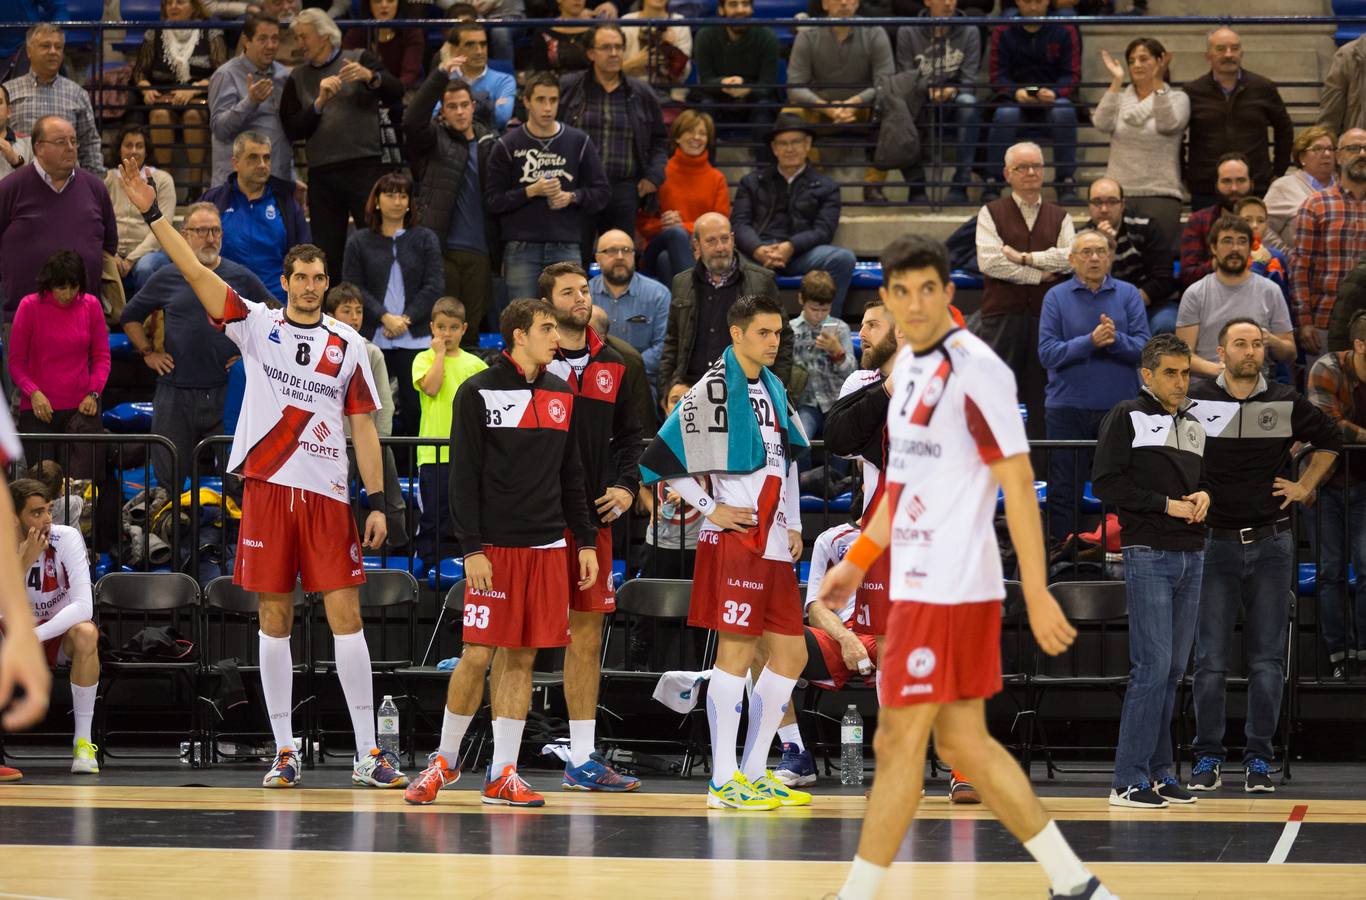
x,y
1024,246
332,101
1091,335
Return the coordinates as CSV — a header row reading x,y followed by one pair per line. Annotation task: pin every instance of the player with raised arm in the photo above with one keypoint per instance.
x,y
305,371
955,434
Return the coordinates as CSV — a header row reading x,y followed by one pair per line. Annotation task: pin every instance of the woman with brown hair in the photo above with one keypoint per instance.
x,y
692,186
173,69
397,266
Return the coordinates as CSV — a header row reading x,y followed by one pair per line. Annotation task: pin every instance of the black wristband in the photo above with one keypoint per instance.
x,y
376,500
152,214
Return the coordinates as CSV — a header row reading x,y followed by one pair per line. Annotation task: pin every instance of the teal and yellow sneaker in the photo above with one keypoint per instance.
x,y
737,793
768,786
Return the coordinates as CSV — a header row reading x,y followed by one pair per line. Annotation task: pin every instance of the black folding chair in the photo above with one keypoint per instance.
x,y
129,602
452,605
231,623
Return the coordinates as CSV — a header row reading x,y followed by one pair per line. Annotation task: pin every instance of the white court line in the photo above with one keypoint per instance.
x,y
1287,839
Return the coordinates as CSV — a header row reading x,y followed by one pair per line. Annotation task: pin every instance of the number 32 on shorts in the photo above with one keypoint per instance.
x,y
476,616
732,613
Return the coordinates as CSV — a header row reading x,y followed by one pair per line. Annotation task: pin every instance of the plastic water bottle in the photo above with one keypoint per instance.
x,y
851,746
388,726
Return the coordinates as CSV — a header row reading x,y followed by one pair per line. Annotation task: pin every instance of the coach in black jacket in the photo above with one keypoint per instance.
x,y
1148,464
1250,553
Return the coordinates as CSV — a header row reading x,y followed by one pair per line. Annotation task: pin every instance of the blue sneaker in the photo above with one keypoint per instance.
x,y
798,767
284,772
597,775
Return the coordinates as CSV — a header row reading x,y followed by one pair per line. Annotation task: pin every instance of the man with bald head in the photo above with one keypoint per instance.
x,y
1232,110
1330,236
636,305
697,332
52,205
1143,254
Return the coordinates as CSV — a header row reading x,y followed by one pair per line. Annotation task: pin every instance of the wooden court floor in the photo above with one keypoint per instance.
x,y
147,842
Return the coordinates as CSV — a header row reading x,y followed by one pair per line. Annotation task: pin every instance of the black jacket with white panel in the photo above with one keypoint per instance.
x,y
1144,456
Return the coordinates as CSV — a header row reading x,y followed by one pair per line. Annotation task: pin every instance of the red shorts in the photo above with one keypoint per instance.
x,y
526,605
53,648
834,658
290,534
871,603
939,654
735,590
601,596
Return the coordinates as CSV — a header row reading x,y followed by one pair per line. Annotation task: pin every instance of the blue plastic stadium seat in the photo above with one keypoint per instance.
x,y
120,347
618,573
1040,491
965,280
840,503
1348,33
1024,413
128,418
446,573
1308,580
867,275
493,341
415,565
804,571
136,11
136,480
857,342
407,486
1090,503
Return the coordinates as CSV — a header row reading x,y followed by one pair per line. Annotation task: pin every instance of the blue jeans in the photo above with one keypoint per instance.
x,y
1055,123
1342,621
1164,597
1257,578
961,121
1162,318
144,269
668,254
835,260
1068,469
523,262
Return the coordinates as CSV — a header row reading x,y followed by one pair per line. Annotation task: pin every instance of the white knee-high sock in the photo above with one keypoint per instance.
x,y
1065,869
507,743
358,686
768,702
277,683
83,708
581,740
791,734
725,699
453,728
863,880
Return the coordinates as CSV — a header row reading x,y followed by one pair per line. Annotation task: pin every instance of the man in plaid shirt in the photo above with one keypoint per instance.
x,y
42,91
1330,236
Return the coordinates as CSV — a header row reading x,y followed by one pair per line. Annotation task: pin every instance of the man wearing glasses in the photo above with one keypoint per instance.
x,y
1330,236
192,376
1143,255
637,306
1024,247
623,120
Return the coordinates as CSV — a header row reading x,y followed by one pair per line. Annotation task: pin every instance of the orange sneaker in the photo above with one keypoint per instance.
x,y
960,790
510,790
436,776
8,774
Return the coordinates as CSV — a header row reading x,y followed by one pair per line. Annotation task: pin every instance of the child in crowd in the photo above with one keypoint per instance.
x,y
437,375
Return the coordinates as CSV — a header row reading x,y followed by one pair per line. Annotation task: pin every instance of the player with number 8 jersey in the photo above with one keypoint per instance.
x,y
305,373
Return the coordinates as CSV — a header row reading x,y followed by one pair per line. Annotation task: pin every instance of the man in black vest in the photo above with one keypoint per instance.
x,y
1023,245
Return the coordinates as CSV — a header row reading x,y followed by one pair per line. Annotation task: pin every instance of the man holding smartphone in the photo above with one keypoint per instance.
x,y
822,346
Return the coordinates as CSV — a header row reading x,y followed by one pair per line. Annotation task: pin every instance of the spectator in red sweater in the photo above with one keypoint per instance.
x,y
59,348
692,186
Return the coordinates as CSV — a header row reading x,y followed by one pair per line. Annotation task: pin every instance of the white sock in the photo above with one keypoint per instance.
x,y
791,734
83,708
453,728
358,686
507,743
277,683
863,880
581,740
725,699
768,703
1065,870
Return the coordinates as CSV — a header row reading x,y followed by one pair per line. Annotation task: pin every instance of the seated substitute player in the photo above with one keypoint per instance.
x,y
955,434
57,579
516,487
305,372
744,586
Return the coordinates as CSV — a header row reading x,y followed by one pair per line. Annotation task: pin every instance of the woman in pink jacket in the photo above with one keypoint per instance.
x,y
59,348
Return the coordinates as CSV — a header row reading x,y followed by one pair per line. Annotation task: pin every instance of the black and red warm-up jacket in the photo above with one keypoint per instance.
x,y
605,423
516,476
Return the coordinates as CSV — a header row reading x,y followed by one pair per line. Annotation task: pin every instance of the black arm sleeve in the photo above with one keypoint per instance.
x,y
467,467
626,446
854,425
1310,425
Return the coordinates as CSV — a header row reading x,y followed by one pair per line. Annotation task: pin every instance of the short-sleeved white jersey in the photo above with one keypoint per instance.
x,y
302,380
829,549
60,575
954,412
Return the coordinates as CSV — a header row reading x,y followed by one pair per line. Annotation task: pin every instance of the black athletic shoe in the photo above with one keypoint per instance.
x,y
1137,796
1169,789
1258,778
1205,775
1094,890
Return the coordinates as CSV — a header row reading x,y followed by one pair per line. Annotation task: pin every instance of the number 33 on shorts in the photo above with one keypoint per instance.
x,y
476,616
732,613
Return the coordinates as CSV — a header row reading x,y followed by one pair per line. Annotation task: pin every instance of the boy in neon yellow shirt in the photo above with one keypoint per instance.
x,y
437,375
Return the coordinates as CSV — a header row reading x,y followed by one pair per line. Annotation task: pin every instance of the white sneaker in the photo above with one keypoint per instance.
x,y
83,758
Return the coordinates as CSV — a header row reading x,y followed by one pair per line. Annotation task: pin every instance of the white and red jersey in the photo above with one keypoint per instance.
x,y
302,380
829,549
872,475
954,412
772,491
60,576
